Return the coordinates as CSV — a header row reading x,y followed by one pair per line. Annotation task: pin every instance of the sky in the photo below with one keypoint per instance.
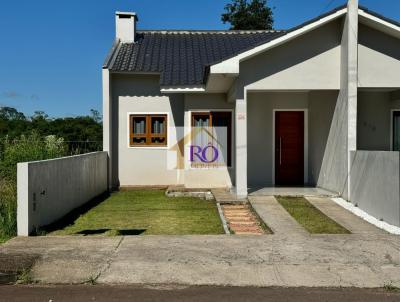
x,y
52,51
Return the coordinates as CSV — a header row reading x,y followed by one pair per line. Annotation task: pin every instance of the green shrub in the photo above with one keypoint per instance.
x,y
8,209
27,148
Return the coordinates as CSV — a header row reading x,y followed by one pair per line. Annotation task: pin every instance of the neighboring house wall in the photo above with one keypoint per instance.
x,y
375,184
373,126
50,189
319,105
142,165
374,119
379,59
206,178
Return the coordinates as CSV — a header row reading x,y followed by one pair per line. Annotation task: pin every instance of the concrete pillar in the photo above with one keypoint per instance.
x,y
352,80
24,207
241,147
107,122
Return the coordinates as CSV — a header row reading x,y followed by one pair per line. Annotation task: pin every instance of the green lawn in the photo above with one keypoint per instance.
x,y
312,219
147,212
3,239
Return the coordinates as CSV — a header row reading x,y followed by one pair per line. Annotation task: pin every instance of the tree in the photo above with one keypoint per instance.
x,y
9,113
96,116
243,15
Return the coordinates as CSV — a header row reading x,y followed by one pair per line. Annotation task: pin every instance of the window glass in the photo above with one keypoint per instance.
x,y
212,129
148,130
139,125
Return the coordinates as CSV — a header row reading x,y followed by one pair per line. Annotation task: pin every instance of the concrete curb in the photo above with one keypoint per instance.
x,y
360,213
223,220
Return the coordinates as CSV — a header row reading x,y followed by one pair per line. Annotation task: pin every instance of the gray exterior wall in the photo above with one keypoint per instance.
x,y
375,178
379,59
374,120
321,110
301,64
320,106
50,189
373,126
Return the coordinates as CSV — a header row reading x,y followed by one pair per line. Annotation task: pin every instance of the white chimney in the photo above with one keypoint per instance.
x,y
125,25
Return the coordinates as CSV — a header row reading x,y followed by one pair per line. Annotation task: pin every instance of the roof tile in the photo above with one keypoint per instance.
x,y
182,57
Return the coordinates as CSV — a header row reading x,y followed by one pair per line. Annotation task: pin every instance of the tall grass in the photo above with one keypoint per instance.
x,y
26,148
8,209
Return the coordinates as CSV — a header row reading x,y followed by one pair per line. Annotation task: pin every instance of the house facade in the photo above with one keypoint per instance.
x,y
297,104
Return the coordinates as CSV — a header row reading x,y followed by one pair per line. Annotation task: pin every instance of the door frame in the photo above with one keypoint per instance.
x,y
392,111
305,142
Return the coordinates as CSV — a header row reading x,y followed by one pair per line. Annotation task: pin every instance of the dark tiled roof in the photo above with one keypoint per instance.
x,y
184,57
181,57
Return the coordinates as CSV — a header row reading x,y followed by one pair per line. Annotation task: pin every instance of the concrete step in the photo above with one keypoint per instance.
x,y
235,215
235,207
244,219
243,222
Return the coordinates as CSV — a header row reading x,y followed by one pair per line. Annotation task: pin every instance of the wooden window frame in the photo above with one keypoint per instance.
x,y
210,115
148,135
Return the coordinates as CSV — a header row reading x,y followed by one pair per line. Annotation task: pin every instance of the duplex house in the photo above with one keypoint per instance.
x,y
316,105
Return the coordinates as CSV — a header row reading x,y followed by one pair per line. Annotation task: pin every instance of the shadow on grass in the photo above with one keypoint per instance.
x,y
93,232
70,218
130,232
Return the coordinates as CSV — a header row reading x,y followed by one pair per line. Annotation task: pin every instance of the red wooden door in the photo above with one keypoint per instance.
x,y
289,148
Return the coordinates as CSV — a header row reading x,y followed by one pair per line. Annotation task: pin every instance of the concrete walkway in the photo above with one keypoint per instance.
x,y
354,224
276,217
268,260
292,191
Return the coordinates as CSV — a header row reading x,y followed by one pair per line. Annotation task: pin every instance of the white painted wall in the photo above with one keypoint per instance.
x,y
379,59
137,165
125,26
50,189
205,177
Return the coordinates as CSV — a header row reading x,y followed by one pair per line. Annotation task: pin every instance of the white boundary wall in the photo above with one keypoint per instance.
x,y
375,184
50,189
